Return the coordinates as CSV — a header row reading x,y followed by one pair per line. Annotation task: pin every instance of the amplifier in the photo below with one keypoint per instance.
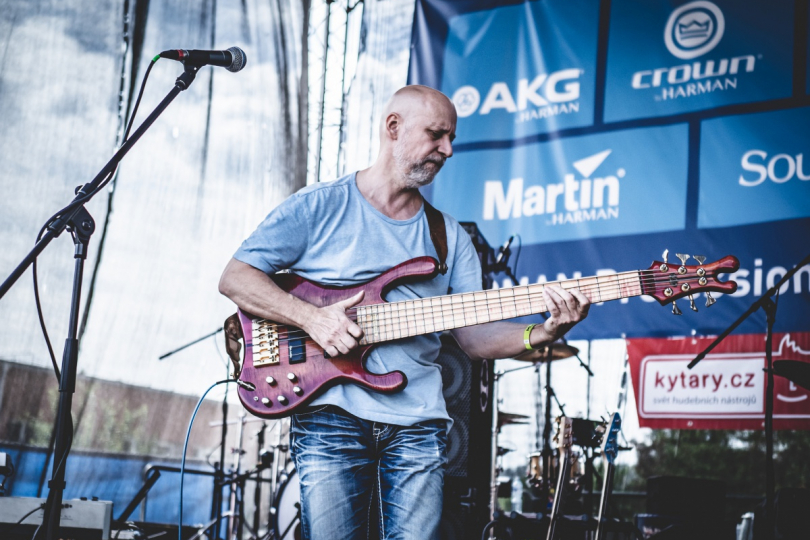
x,y
80,520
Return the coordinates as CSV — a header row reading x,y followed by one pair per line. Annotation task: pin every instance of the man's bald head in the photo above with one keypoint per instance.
x,y
416,135
411,102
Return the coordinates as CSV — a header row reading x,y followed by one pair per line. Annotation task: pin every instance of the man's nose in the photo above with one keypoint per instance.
x,y
446,147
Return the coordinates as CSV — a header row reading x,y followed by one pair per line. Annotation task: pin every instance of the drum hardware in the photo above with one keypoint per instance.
x,y
500,419
271,458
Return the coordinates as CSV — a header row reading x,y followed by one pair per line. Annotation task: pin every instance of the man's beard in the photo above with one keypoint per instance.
x,y
416,173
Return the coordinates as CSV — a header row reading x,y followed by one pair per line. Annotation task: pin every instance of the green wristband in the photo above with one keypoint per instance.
x,y
526,334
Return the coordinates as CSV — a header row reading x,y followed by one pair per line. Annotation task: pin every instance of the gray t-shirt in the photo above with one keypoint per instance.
x,y
329,233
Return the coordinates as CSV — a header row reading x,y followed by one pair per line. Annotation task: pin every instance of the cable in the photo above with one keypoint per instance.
x,y
29,513
72,206
185,447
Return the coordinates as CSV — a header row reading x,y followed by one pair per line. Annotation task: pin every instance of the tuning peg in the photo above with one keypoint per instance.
x,y
700,259
666,253
710,301
675,309
692,303
683,257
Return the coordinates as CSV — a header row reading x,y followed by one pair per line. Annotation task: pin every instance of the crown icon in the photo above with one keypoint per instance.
x,y
694,30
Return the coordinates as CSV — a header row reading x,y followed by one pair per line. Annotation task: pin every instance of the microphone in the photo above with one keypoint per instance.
x,y
233,59
503,250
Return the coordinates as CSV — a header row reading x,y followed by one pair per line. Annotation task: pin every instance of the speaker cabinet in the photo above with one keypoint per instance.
x,y
467,388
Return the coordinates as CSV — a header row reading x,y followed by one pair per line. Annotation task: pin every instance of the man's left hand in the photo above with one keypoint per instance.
x,y
567,308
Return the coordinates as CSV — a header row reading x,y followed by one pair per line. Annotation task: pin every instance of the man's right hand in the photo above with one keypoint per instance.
x,y
332,329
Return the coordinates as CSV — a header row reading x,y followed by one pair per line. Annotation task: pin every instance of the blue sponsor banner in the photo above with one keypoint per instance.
x,y
593,198
668,58
754,168
520,70
610,184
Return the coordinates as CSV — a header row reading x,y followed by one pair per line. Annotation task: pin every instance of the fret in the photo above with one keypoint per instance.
x,y
456,312
444,312
506,303
419,317
384,312
494,305
609,292
526,300
632,286
586,287
481,308
433,306
536,291
468,301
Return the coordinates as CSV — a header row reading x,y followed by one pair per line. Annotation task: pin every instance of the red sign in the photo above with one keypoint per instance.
x,y
726,390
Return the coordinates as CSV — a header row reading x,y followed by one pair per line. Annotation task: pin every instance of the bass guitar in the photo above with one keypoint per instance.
x,y
283,369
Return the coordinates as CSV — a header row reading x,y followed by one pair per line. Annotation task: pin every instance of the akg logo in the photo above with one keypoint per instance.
x,y
466,100
547,94
694,29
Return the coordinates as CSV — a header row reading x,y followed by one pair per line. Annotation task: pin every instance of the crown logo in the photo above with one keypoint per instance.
x,y
694,30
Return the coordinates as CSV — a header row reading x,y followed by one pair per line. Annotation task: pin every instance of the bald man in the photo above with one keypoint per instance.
x,y
355,449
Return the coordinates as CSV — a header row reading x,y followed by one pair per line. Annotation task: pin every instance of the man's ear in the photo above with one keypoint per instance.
x,y
393,123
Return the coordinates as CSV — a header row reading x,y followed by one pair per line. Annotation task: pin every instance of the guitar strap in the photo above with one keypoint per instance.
x,y
438,234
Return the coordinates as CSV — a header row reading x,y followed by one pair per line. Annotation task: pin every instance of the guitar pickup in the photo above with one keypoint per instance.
x,y
297,352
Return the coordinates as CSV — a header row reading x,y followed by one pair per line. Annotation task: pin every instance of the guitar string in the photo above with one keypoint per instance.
x,y
389,311
385,325
397,308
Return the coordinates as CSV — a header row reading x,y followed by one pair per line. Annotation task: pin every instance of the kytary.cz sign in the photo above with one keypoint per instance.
x,y
726,390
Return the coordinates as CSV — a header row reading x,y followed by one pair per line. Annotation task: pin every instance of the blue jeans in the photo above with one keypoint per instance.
x,y
346,465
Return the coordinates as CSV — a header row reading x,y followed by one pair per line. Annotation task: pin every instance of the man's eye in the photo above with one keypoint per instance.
x,y
436,135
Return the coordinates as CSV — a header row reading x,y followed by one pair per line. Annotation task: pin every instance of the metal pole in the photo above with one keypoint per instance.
x,y
323,93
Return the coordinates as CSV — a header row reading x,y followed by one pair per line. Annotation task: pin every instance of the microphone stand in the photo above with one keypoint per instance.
x,y
769,306
81,226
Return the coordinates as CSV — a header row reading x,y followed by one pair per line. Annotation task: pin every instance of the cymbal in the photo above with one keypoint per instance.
x,y
558,352
795,371
505,418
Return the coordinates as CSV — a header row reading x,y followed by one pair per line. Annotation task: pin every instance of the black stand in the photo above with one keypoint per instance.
x,y
81,225
768,305
547,451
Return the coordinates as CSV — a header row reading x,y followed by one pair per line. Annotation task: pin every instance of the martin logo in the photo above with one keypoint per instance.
x,y
570,201
694,29
548,94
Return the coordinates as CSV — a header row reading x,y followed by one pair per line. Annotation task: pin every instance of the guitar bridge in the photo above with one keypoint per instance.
x,y
265,343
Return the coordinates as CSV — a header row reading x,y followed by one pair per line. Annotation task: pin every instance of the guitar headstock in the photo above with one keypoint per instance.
x,y
565,433
610,439
667,283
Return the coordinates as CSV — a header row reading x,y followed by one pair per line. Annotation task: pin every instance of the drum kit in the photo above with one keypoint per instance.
x,y
553,477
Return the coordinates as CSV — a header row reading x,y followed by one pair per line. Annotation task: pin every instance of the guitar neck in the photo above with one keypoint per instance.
x,y
397,320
